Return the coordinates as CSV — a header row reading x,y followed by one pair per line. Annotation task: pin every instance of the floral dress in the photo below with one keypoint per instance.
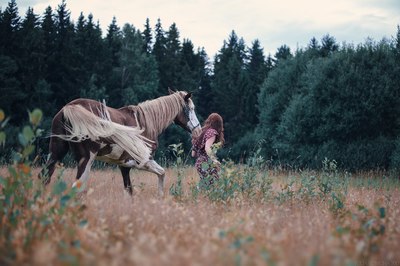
x,y
204,164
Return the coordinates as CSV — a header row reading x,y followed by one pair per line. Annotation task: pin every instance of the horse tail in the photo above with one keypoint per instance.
x,y
82,124
58,148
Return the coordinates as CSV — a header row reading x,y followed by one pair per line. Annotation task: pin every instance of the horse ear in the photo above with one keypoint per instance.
x,y
187,96
170,91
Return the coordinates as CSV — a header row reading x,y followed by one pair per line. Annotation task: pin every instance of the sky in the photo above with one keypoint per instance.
x,y
209,23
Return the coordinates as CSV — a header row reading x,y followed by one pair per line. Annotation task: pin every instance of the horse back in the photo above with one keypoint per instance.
x,y
97,108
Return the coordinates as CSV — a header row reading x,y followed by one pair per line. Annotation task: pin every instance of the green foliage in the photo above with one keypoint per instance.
x,y
237,182
326,100
331,101
231,83
239,243
176,189
365,227
28,214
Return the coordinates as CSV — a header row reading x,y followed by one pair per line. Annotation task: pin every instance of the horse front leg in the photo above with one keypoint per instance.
x,y
153,167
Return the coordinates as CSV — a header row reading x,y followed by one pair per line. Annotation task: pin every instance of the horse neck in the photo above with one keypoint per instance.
x,y
156,115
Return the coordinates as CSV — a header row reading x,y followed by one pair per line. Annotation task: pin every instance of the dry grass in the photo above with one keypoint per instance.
x,y
145,230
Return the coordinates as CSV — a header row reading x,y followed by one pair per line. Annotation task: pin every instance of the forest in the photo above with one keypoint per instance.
x,y
297,108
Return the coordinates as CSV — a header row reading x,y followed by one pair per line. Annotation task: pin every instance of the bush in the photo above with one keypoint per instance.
x,y
29,214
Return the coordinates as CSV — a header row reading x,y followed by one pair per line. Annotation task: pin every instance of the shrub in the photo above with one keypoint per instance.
x,y
29,214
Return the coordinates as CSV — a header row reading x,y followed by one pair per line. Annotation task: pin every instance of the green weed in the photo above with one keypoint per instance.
x,y
28,214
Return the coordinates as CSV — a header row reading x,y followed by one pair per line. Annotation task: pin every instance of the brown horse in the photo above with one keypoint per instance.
x,y
127,136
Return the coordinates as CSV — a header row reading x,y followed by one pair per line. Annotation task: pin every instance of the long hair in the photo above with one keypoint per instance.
x,y
159,113
83,124
216,122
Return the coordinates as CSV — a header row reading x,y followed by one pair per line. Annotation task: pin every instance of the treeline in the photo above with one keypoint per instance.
x,y
339,102
326,100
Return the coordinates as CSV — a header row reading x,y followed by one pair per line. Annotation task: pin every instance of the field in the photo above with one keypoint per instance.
x,y
252,217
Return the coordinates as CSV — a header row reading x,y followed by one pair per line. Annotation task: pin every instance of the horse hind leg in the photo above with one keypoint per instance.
x,y
58,148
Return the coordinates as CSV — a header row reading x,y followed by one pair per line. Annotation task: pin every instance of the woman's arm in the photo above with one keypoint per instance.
x,y
208,149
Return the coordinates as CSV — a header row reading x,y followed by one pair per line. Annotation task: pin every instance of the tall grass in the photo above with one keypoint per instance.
x,y
251,215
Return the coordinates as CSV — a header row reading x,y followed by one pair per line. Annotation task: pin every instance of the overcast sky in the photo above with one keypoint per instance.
x,y
208,23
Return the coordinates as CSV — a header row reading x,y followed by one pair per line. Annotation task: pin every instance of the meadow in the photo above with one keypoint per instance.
x,y
252,216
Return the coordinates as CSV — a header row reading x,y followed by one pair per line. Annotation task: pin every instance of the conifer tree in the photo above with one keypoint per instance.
x,y
32,54
328,46
172,58
113,39
137,70
10,85
63,74
147,37
159,51
257,71
10,24
229,83
282,53
203,96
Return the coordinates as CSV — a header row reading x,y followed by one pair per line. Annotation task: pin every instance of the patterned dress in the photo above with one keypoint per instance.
x,y
204,164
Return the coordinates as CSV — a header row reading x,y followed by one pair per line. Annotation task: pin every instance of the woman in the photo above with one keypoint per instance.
x,y
207,164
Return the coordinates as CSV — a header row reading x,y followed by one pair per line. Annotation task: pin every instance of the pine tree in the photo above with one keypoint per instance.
x,y
397,44
257,71
314,48
113,39
147,37
159,51
11,94
282,53
137,70
328,46
203,97
49,32
112,50
10,24
32,54
228,86
63,74
172,57
93,68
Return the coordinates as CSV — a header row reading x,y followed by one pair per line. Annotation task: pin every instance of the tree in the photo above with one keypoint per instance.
x,y
137,70
229,83
32,56
10,86
11,95
91,56
257,71
314,48
282,53
113,40
49,33
62,75
147,37
10,24
203,95
328,46
170,63
159,52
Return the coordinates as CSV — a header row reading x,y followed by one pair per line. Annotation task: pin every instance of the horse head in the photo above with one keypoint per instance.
x,y
187,118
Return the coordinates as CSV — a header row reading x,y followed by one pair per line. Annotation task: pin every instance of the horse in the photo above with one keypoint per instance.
x,y
127,137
